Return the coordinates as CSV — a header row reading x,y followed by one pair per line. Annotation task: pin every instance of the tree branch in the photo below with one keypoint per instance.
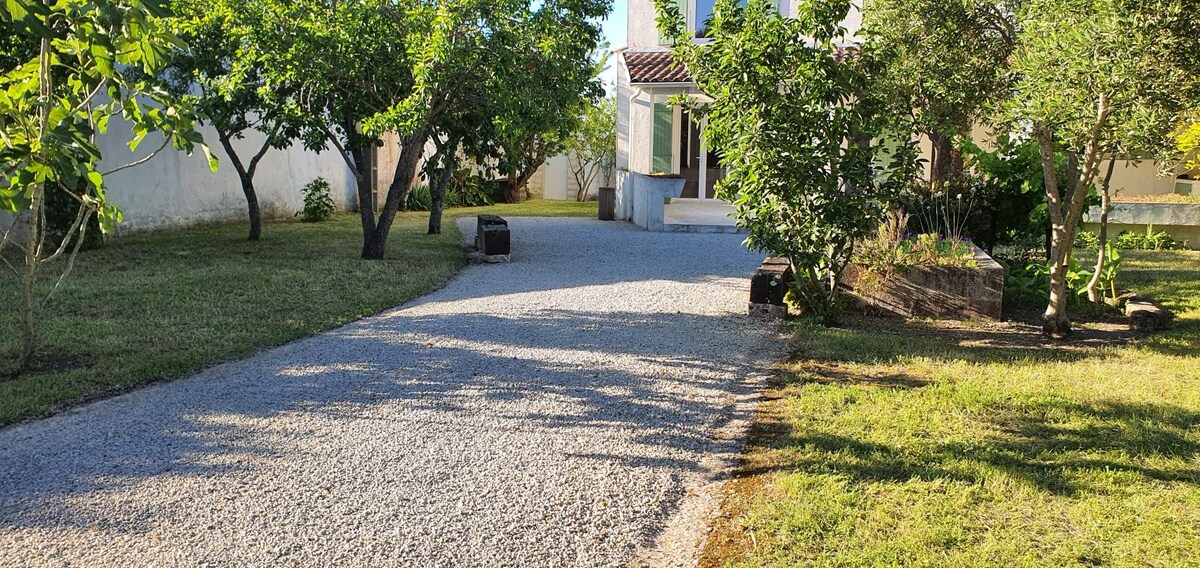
x,y
166,140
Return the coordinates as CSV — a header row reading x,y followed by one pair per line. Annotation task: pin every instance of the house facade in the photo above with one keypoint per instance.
x,y
654,137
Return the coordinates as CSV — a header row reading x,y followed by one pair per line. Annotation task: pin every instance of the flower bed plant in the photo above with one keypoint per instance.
x,y
926,275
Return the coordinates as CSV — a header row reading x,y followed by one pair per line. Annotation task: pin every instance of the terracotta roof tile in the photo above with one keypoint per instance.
x,y
654,67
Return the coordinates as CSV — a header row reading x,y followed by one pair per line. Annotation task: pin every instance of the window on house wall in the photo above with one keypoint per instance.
x,y
664,122
682,5
704,11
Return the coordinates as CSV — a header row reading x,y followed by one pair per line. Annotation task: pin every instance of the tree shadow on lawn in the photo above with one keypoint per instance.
x,y
640,377
1050,442
1038,451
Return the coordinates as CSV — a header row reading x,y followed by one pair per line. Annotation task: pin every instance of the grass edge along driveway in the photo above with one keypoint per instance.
x,y
876,448
155,306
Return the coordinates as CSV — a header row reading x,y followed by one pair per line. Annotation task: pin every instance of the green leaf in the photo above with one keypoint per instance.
x,y
212,160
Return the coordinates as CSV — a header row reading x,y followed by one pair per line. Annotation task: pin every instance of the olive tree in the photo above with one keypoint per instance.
x,y
88,62
1094,77
794,119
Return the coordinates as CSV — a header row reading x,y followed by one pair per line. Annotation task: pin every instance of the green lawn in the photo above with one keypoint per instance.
x,y
894,446
156,306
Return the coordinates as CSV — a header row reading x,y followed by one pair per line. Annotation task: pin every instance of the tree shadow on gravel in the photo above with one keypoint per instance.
x,y
642,378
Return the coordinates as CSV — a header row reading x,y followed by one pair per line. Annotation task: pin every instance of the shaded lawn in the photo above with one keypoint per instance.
x,y
885,449
160,305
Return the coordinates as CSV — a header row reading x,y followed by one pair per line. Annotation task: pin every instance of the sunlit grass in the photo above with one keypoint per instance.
x,y
885,449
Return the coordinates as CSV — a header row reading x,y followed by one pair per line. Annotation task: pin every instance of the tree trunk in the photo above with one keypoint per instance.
x,y
246,177
947,162
37,226
371,248
437,193
1093,296
375,242
445,162
1066,208
252,208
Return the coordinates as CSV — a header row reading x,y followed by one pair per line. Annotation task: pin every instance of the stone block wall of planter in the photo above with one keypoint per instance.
x,y
940,292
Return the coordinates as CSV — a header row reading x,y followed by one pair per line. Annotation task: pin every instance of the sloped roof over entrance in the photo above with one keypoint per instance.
x,y
654,67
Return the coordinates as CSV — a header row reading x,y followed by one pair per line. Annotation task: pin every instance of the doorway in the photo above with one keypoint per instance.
x,y
699,167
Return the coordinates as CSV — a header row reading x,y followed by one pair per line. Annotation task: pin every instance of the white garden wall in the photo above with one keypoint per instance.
x,y
174,189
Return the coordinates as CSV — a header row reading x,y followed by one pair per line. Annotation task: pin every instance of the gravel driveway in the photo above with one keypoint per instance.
x,y
553,411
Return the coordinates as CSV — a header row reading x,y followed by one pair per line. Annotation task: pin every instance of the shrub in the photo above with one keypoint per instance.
x,y
1029,283
419,198
318,205
1150,240
469,190
1087,240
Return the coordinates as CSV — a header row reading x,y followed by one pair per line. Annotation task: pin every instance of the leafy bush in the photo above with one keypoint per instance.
x,y
1150,240
318,205
419,198
469,190
1028,284
1087,240
465,190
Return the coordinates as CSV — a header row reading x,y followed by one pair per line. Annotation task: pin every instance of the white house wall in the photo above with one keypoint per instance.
x,y
174,189
642,30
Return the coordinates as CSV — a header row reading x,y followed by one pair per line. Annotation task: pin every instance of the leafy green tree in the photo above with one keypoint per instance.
x,y
592,147
946,62
541,84
794,119
89,62
363,70
225,74
1094,78
329,68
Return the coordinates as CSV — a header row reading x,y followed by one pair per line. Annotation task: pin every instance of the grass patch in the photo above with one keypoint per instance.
x,y
886,449
155,306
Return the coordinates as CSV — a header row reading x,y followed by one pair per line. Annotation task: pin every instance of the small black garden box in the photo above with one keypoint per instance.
x,y
491,236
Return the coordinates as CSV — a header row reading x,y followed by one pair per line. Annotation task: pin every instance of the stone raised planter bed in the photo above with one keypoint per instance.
x,y
1180,220
941,292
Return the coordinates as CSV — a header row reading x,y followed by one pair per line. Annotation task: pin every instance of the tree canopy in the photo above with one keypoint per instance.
x,y
1096,78
77,64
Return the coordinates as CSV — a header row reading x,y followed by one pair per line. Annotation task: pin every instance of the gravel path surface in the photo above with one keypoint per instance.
x,y
552,411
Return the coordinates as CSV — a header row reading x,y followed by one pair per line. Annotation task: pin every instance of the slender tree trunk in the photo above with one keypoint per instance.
x,y
437,192
1066,210
947,160
246,177
366,204
252,209
446,161
37,225
1093,295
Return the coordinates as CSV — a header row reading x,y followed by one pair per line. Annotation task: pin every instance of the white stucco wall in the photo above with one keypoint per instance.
x,y
174,189
642,31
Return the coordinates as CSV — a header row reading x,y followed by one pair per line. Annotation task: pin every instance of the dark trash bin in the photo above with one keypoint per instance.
x,y
608,203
